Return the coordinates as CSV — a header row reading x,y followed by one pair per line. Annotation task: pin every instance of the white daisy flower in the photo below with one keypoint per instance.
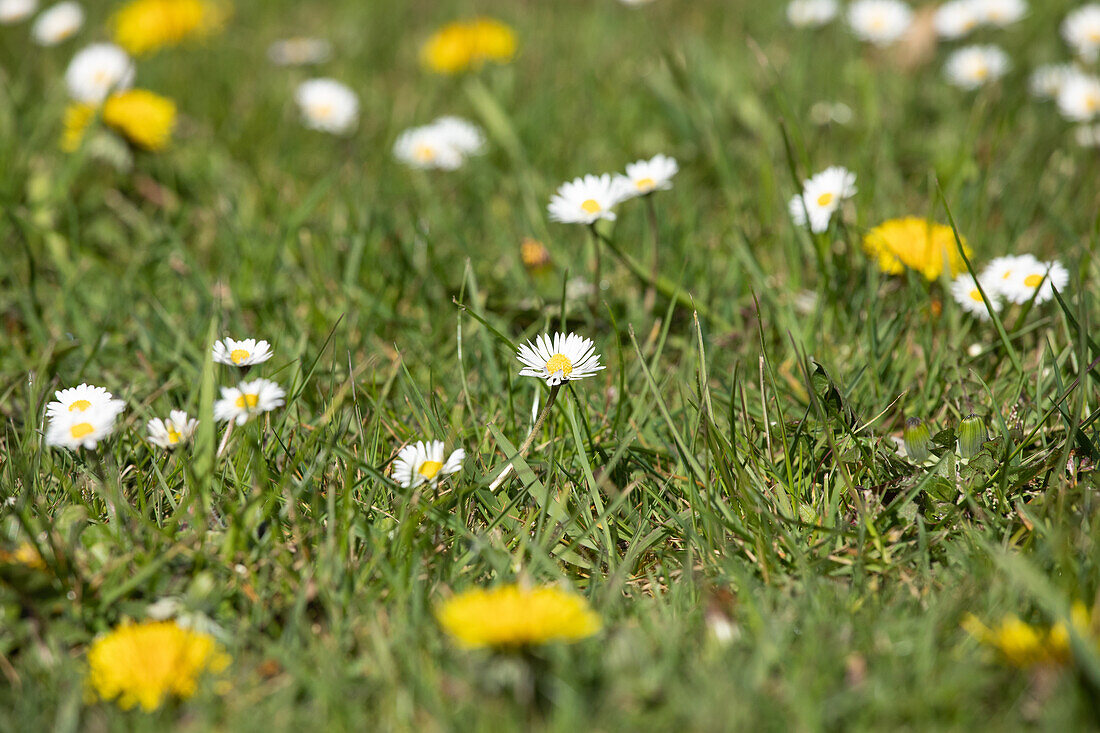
x,y
82,428
1079,97
560,359
463,135
299,51
98,70
975,66
83,398
1000,12
247,400
997,276
646,176
173,432
821,196
328,106
1046,81
1087,136
1081,30
879,21
14,11
955,19
1036,280
58,23
246,353
443,144
421,462
811,13
964,289
585,200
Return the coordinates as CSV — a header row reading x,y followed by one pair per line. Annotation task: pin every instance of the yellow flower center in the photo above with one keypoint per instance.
x,y
424,153
248,400
645,184
429,469
238,356
79,406
81,429
173,435
1094,35
981,71
877,23
591,206
976,295
825,199
1092,102
559,363
322,111
1032,281
100,76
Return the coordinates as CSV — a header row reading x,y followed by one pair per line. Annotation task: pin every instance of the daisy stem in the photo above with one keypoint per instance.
x,y
596,263
529,440
225,439
651,214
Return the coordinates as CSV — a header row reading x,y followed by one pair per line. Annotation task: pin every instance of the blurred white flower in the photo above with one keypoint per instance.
x,y
244,353
328,106
299,51
880,22
1079,97
821,196
57,23
173,432
1087,136
1000,271
585,200
82,398
443,144
1081,30
646,176
421,462
1035,279
1000,12
955,19
1047,80
98,70
559,359
247,400
81,428
811,13
975,66
14,11
964,289
823,113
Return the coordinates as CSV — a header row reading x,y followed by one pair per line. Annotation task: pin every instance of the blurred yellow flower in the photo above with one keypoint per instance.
x,y
142,117
144,26
917,244
144,663
465,45
24,555
511,616
1023,645
77,118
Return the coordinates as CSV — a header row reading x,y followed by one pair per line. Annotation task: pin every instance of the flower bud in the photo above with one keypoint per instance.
x,y
972,436
917,440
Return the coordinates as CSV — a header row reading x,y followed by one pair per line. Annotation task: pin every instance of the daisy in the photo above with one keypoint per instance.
x,y
1046,81
444,144
1000,12
811,13
585,200
173,432
299,51
561,359
328,106
421,462
1036,279
58,23
964,289
247,400
246,353
462,135
1000,271
14,11
821,197
81,428
974,66
98,70
1081,29
646,176
83,398
1079,97
955,19
879,21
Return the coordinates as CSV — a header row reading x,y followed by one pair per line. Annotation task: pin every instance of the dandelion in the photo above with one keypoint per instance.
x,y
1025,645
972,436
83,398
534,255
1046,81
422,462
1034,279
443,144
299,51
975,66
585,200
82,428
248,399
468,45
560,359
955,19
142,117
146,663
811,13
1000,13
920,245
173,432
964,289
918,439
511,616
25,554
58,23
244,353
328,106
144,26
821,197
1081,30
16,11
880,22
1079,97
98,70
646,176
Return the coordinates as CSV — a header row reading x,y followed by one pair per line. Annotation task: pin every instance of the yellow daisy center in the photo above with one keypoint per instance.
x,y
429,469
825,199
591,206
1094,35
645,184
981,71
877,23
247,400
1032,281
1092,102
976,295
322,111
100,76
559,363
81,429
424,152
80,406
173,435
238,356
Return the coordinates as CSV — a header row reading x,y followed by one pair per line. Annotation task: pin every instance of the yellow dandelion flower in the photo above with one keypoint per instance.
x,y
142,117
144,26
917,244
1059,634
24,555
534,254
143,664
465,45
77,118
511,616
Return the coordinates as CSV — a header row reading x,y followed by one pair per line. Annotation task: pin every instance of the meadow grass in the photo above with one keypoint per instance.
x,y
727,493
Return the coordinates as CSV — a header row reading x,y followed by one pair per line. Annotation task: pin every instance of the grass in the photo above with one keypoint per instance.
x,y
733,472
